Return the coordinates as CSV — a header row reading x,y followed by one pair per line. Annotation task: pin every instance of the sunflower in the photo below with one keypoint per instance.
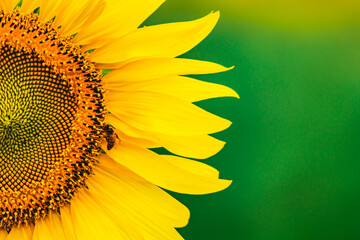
x,y
76,149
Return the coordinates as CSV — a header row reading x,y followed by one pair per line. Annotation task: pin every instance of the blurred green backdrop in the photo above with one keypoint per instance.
x,y
293,149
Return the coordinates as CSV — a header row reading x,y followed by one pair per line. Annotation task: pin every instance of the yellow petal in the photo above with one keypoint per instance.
x,y
195,167
92,222
8,5
147,143
123,201
48,9
67,224
154,68
188,89
154,112
143,194
28,6
90,12
166,40
49,228
73,16
124,16
201,147
23,233
122,130
118,170
127,129
3,234
160,171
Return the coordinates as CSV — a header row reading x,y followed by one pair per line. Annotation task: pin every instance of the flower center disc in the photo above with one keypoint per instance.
x,y
51,119
36,112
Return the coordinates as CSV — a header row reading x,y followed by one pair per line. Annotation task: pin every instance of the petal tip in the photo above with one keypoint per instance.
x,y
216,14
227,183
235,94
213,17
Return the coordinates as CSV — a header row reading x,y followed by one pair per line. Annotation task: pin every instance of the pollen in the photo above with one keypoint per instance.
x,y
51,119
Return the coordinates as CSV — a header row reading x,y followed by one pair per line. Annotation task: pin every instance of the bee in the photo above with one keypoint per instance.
x,y
110,136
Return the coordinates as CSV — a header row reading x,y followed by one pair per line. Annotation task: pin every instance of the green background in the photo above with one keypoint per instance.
x,y
293,149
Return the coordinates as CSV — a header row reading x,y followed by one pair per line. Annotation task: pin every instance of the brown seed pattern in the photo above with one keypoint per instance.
x,y
51,119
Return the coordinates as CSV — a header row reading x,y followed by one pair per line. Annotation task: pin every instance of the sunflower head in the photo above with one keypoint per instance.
x,y
74,141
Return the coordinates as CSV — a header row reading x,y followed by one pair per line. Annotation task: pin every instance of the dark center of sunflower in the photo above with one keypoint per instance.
x,y
36,112
51,119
